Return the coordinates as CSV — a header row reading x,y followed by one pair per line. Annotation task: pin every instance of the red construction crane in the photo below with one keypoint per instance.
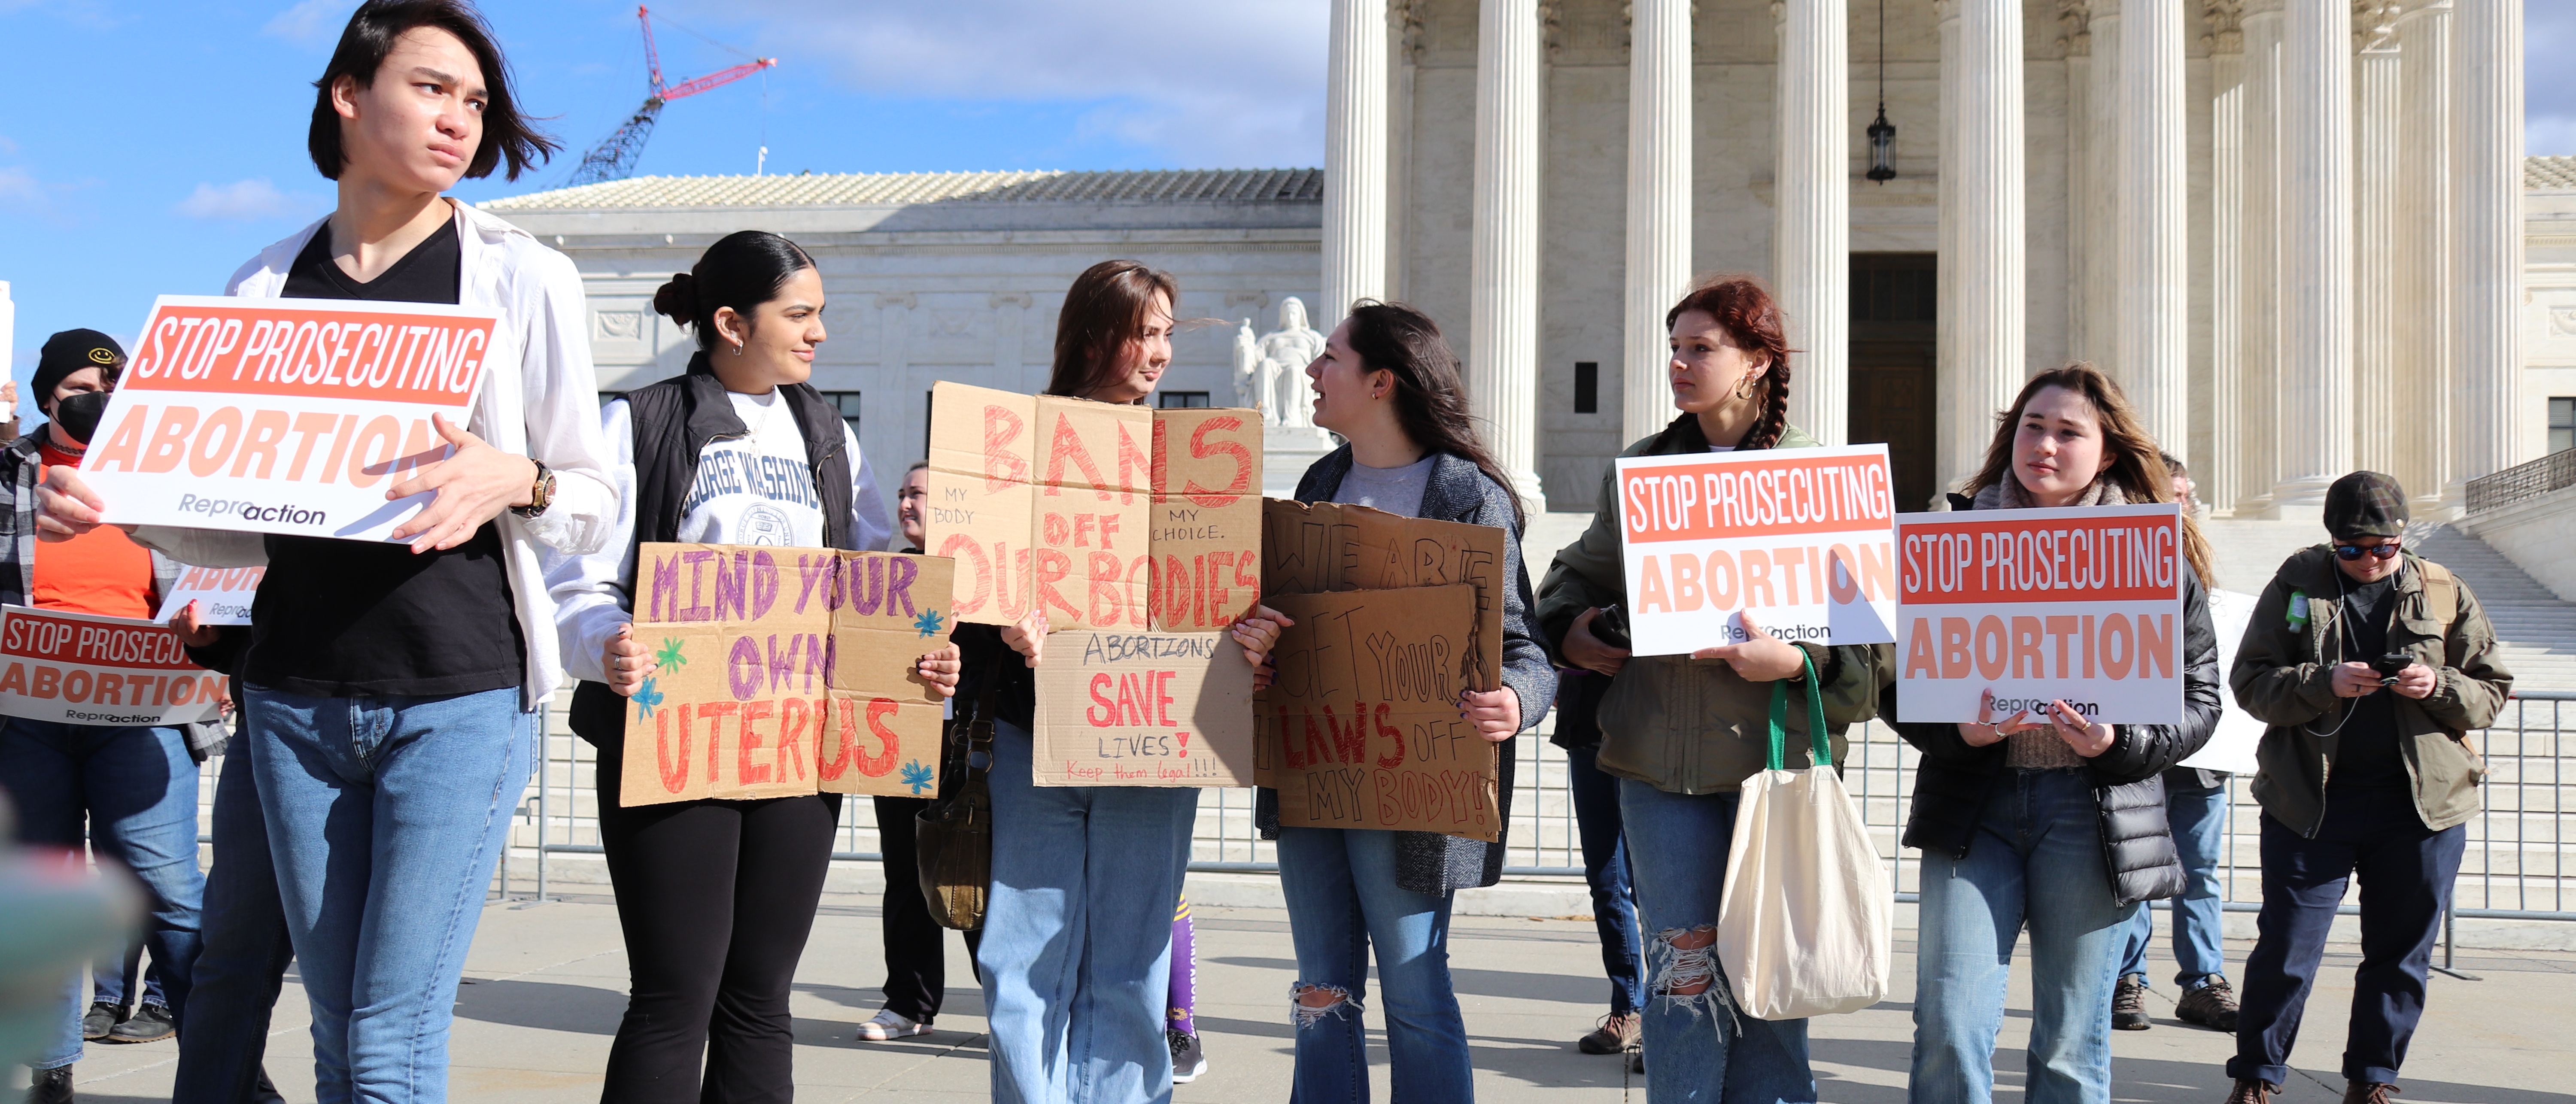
x,y
614,157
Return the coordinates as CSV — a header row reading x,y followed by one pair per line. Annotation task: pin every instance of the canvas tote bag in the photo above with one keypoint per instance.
x,y
1803,929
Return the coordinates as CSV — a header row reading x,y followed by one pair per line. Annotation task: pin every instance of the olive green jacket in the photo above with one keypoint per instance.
x,y
1683,725
2284,677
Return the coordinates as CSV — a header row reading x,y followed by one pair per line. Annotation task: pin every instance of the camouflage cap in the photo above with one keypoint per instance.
x,y
2365,504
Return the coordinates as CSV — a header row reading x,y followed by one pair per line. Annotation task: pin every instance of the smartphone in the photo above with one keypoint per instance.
x,y
1611,627
2390,665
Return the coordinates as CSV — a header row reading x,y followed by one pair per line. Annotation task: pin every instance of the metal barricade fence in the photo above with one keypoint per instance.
x,y
2520,863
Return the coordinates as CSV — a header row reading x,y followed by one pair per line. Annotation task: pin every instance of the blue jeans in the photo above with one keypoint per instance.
x,y
1077,948
136,788
1698,1047
246,949
2199,832
1342,898
2035,861
115,979
385,817
1605,869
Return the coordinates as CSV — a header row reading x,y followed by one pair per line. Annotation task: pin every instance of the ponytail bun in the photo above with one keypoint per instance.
x,y
677,299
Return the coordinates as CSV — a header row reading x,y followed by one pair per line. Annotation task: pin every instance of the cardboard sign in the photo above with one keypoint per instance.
x,y
1362,728
1144,709
226,591
1312,548
2232,744
1108,517
2037,605
784,671
81,668
1802,537
284,415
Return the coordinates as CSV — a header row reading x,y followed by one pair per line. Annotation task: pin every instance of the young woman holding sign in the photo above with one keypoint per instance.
x,y
2051,822
1389,385
716,897
1076,954
1682,733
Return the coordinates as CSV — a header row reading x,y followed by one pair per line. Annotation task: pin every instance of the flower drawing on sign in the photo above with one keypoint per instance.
x,y
647,696
928,622
670,655
916,774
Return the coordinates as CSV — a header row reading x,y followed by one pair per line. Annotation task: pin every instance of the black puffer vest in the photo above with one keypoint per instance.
x,y
675,420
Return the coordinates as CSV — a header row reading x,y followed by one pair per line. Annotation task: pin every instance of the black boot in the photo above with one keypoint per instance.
x,y
50,1086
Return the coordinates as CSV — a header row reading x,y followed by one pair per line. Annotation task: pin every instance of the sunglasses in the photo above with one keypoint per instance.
x,y
2352,552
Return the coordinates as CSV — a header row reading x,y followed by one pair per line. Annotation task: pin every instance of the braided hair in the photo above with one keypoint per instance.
x,y
1752,321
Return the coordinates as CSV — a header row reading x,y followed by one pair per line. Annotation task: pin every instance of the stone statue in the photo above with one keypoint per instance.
x,y
1250,386
1284,354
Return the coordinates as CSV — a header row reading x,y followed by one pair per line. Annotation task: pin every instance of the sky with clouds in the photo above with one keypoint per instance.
x,y
149,147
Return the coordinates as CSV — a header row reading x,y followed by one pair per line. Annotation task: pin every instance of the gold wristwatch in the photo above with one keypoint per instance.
x,y
541,494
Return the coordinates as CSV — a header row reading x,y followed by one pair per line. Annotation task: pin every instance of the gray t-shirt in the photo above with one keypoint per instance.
x,y
1394,490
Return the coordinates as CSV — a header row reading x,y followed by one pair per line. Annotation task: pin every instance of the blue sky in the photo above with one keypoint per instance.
x,y
148,148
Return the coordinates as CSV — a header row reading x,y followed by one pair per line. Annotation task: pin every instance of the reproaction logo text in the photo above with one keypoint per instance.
x,y
251,511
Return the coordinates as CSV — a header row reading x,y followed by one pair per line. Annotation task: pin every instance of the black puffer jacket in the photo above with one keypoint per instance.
x,y
1954,781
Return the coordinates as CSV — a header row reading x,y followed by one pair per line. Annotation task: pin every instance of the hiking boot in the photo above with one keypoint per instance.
x,y
2250,1091
50,1086
150,1023
101,1016
1189,1059
2129,1004
2368,1092
1615,1035
2213,1004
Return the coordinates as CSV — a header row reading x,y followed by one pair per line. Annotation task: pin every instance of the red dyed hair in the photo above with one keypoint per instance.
x,y
1751,319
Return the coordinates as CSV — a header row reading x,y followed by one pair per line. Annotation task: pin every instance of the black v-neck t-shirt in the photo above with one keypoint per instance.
x,y
346,618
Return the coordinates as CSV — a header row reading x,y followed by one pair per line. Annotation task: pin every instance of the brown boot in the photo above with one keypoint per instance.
x,y
2213,1005
2250,1091
2129,1004
2368,1092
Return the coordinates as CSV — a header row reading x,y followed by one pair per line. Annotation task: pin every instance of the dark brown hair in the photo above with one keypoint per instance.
x,y
370,36
1430,393
1751,319
742,270
2137,462
1103,311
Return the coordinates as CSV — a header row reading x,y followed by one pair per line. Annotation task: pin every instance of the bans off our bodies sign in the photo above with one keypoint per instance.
x,y
80,668
2035,606
284,415
783,671
1801,537
1108,517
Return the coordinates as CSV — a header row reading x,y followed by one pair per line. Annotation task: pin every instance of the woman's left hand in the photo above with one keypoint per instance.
x,y
939,669
1496,713
474,484
1761,658
2087,738
1258,632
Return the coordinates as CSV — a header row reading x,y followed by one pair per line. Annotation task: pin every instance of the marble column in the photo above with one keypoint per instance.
x,y
2486,205
1659,205
2100,206
2316,254
2075,18
2152,356
2375,182
2258,386
1502,323
1981,298
1811,231
2424,251
1355,152
2217,473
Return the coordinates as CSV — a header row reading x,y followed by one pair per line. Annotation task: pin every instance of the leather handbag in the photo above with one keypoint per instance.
x,y
953,838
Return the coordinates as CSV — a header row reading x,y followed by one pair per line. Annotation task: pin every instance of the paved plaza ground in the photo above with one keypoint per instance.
x,y
547,983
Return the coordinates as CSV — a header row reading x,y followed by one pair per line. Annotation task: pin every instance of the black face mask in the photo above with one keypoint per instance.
x,y
79,414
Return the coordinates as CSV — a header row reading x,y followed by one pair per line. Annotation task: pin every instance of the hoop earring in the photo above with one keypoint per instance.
x,y
1744,387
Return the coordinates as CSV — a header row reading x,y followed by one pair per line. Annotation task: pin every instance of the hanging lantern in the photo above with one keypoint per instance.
x,y
1882,148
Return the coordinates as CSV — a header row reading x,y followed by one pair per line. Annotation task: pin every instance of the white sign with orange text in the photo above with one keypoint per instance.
x,y
224,594
2082,605
1801,538
284,415
81,668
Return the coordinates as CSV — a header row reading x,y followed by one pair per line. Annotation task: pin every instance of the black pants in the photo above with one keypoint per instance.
x,y
2406,871
916,954
716,899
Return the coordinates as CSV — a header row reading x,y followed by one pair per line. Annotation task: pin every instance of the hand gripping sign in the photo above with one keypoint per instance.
x,y
783,671
226,594
1108,517
81,668
284,415
1802,535
2035,606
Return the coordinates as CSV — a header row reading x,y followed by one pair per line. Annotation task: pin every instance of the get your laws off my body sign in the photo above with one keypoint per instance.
x,y
1803,537
2034,606
284,415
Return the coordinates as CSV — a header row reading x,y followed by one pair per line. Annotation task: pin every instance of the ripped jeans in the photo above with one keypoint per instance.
x,y
1342,901
1698,1048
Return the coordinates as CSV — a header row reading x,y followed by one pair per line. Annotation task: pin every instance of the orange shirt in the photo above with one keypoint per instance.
x,y
102,571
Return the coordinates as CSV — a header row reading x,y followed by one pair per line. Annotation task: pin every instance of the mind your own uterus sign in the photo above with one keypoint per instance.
x,y
1802,539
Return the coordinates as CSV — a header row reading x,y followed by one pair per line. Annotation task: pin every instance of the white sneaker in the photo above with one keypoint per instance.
x,y
890,1024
